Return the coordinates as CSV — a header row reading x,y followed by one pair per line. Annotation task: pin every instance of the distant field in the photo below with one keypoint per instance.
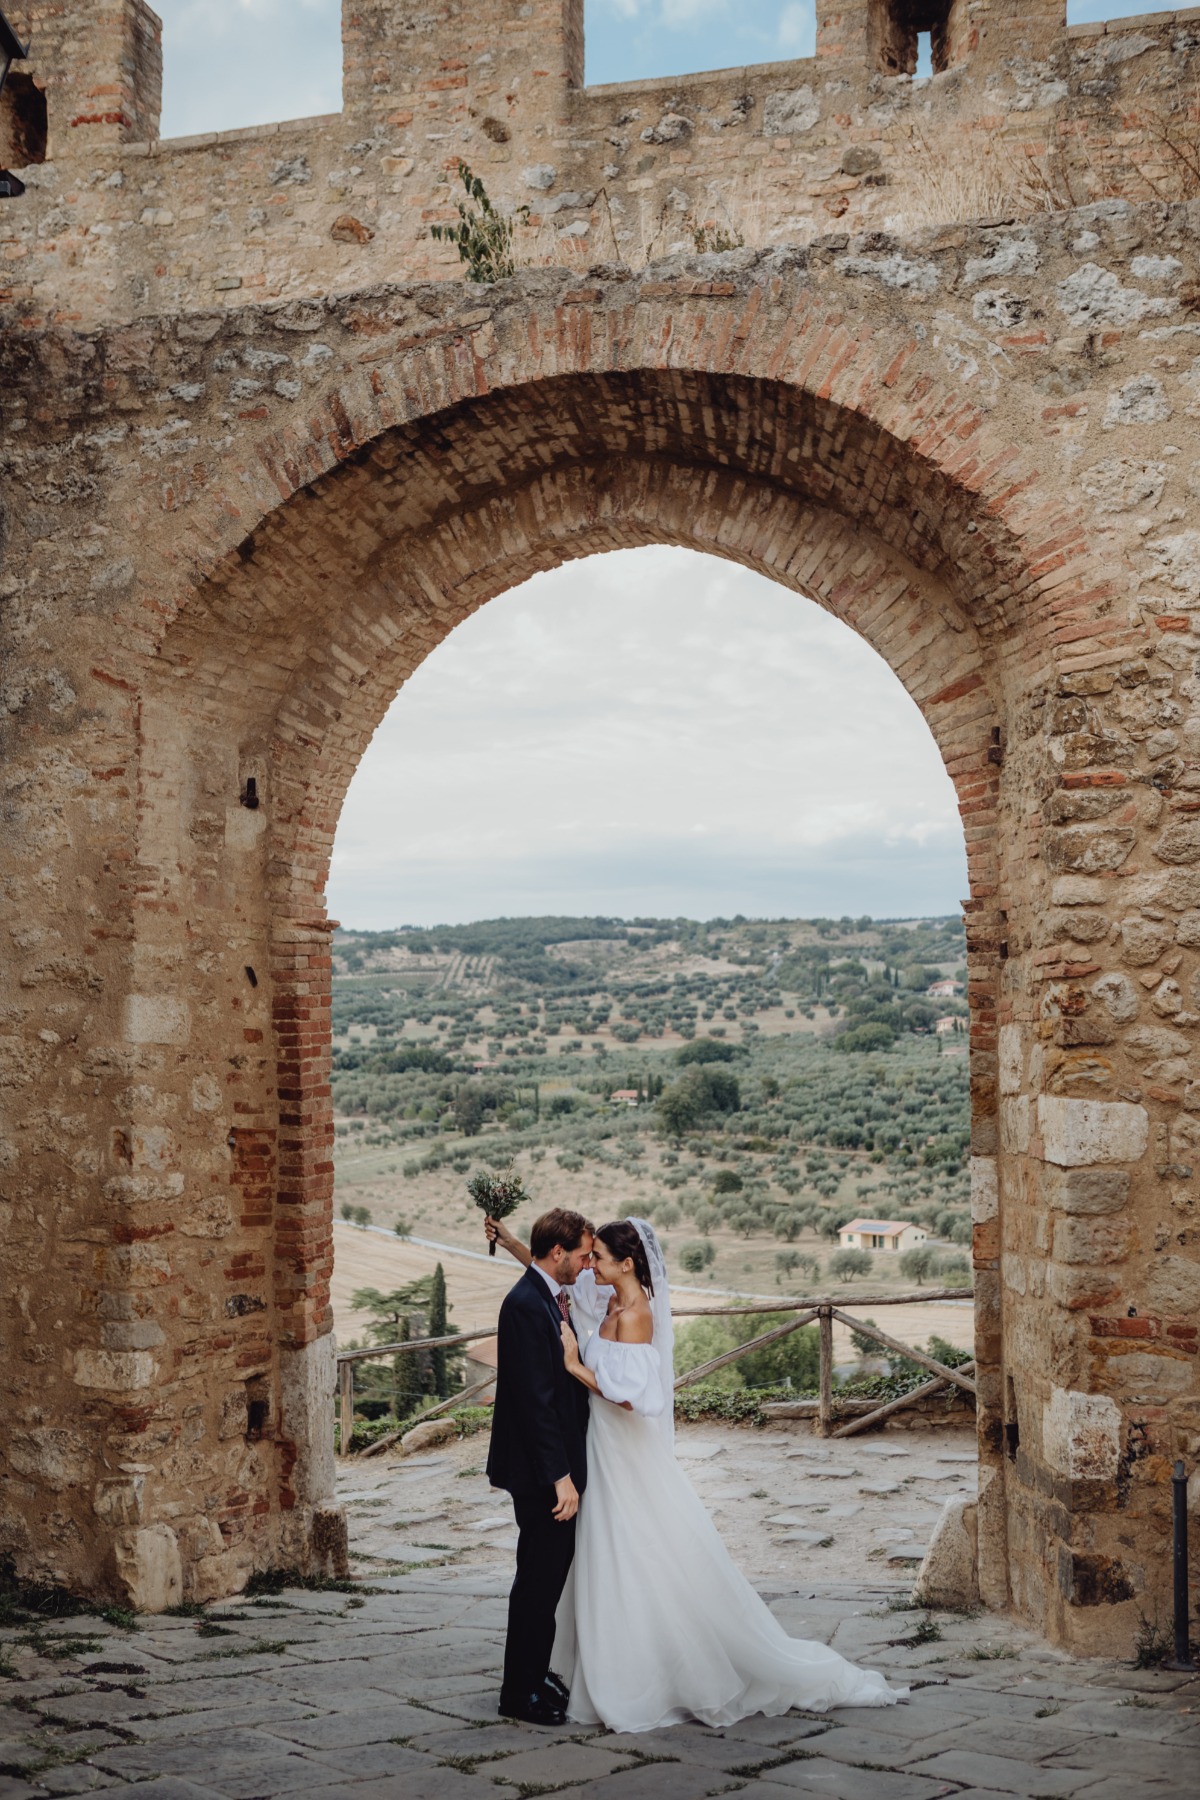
x,y
475,1045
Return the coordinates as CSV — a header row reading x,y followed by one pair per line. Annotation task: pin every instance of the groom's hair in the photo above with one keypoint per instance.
x,y
558,1226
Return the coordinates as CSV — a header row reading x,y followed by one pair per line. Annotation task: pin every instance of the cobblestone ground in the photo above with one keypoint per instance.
x,y
389,1689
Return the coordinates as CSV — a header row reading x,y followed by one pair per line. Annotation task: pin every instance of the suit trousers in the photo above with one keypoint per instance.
x,y
545,1549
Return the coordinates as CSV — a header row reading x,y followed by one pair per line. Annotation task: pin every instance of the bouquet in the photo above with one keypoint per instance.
x,y
497,1196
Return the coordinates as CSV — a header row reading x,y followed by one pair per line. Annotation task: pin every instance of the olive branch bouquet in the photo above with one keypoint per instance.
x,y
497,1196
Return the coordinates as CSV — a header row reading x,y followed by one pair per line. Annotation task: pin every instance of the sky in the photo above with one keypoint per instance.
x,y
247,62
652,732
649,732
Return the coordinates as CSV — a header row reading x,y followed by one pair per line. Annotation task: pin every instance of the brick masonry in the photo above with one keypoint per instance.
x,y
236,517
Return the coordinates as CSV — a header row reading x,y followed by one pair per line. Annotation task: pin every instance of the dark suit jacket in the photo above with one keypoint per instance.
x,y
539,1421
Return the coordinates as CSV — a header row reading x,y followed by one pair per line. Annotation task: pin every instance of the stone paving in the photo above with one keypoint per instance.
x,y
389,1688
790,1506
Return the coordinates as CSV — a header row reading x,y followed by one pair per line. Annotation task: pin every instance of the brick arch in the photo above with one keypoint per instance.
x,y
812,439
299,641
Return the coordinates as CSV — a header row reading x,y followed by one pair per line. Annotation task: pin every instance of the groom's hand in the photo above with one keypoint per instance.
x,y
567,1496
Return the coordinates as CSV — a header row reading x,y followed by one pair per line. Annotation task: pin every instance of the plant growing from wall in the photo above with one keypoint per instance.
x,y
483,237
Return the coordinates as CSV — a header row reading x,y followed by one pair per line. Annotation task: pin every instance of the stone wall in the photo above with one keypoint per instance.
x,y
1026,115
235,519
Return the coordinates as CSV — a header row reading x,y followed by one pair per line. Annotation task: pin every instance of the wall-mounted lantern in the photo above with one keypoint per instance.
x,y
11,50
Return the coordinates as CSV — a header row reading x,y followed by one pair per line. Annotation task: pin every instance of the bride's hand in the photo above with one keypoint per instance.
x,y
570,1344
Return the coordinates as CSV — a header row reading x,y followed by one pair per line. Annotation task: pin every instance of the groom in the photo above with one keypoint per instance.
x,y
539,1452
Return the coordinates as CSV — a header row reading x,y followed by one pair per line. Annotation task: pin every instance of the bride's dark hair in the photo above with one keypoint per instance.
x,y
623,1239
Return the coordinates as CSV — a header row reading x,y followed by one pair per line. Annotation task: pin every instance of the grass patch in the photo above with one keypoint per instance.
x,y
926,1631
1154,1643
1137,1700
779,1761
991,1653
52,1758
260,1647
60,1649
24,1602
270,1582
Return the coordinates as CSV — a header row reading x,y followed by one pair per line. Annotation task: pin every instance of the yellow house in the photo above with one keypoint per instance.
x,y
881,1234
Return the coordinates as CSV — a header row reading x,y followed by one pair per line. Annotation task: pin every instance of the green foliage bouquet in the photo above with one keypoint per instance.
x,y
497,1196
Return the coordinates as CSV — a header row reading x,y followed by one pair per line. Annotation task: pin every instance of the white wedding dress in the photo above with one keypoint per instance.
x,y
657,1624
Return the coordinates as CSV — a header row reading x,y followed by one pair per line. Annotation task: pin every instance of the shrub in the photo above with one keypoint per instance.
x,y
707,1050
483,237
695,1257
865,1037
847,1265
918,1263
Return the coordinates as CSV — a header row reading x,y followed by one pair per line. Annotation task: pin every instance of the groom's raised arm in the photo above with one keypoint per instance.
x,y
527,1349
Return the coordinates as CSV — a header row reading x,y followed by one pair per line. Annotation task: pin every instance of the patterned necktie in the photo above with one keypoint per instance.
x,y
563,1307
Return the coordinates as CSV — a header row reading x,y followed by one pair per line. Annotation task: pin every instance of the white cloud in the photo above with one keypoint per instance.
x,y
797,30
230,63
649,731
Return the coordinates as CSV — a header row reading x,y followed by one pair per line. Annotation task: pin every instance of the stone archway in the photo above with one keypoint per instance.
x,y
295,577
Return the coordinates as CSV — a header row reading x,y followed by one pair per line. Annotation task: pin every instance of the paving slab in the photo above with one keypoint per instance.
x,y
772,1733
75,1778
863,1744
841,1782
368,1761
354,1727
651,1781
168,1787
1008,1774
1118,1788
435,1784
711,1749
557,1764
449,1740
1131,1758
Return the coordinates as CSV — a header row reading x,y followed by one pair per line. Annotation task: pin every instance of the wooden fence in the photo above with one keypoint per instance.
x,y
821,1310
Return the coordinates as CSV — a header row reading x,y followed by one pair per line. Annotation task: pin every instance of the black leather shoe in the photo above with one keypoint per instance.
x,y
535,1709
556,1690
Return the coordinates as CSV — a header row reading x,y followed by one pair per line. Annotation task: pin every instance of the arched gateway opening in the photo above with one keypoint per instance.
x,y
445,457
299,642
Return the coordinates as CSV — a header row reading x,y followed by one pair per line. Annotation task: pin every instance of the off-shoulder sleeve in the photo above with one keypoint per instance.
x,y
589,1303
630,1372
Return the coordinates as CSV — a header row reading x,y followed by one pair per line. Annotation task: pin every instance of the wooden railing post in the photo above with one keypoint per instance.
x,y
825,1404
345,1406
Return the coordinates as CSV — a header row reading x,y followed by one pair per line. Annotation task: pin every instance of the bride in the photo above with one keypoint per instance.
x,y
657,1624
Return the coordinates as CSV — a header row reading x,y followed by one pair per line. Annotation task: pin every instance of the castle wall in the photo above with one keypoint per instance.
x,y
234,518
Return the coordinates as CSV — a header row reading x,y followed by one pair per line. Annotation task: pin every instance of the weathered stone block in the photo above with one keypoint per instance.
x,y
985,1189
114,1371
1086,850
1104,1240
949,1575
1078,1132
1179,843
1081,1435
149,1567
157,1019
1087,1191
1174,1285
1143,941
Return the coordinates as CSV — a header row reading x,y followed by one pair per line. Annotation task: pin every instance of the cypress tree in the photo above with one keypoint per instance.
x,y
438,1327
